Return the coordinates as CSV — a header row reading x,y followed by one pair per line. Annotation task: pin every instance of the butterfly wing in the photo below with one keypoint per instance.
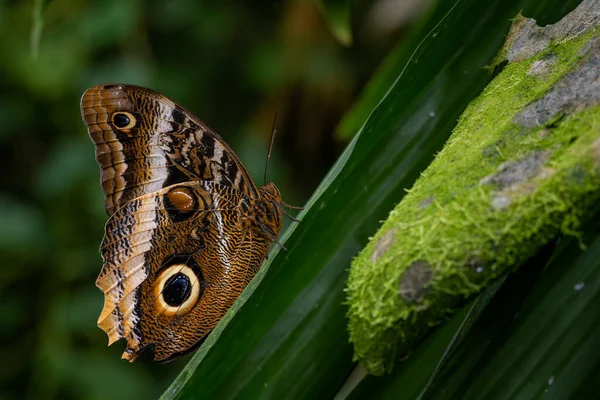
x,y
178,247
175,260
145,142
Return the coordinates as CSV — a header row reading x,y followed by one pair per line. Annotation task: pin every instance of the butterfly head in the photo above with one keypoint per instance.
x,y
270,192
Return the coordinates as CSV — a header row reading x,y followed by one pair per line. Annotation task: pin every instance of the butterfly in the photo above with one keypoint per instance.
x,y
188,228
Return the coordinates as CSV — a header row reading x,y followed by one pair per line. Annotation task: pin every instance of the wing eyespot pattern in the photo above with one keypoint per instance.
x,y
123,120
180,203
177,289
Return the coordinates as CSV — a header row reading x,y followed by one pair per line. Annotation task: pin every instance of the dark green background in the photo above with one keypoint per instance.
x,y
232,63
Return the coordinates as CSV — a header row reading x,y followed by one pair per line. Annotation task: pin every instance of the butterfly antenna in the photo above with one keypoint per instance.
x,y
270,146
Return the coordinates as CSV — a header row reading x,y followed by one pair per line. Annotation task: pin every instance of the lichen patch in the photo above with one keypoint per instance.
x,y
543,66
427,201
577,90
513,173
501,201
414,282
383,244
526,38
586,47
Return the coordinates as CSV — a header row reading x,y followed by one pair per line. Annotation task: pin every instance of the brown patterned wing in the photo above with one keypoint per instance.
x,y
145,142
175,260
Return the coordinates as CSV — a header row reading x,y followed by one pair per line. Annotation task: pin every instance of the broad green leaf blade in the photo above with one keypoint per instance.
x,y
387,73
337,13
286,336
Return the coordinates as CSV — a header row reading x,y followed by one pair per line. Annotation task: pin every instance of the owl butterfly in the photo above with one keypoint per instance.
x,y
188,228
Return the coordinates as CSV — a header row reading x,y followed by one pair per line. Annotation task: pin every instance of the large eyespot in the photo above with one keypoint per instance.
x,y
180,203
123,120
177,290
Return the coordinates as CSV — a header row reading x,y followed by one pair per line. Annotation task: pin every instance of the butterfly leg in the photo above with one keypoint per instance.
x,y
291,207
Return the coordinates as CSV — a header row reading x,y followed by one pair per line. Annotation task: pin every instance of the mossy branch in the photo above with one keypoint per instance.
x,y
522,167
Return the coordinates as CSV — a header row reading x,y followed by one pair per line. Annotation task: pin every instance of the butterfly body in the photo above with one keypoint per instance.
x,y
188,228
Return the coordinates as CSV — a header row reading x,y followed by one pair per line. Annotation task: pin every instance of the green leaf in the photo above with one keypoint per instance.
x,y
286,335
387,73
337,13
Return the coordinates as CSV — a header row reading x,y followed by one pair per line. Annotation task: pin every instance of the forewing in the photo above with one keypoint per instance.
x,y
146,142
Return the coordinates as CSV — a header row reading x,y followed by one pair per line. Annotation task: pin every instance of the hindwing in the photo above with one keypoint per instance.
x,y
148,241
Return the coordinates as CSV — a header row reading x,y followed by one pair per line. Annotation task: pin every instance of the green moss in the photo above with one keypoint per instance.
x,y
500,189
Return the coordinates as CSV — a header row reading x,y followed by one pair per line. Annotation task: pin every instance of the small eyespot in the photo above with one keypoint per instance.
x,y
180,203
177,290
182,198
123,120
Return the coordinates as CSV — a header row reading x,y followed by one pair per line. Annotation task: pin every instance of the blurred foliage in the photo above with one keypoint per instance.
x,y
233,64
338,16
